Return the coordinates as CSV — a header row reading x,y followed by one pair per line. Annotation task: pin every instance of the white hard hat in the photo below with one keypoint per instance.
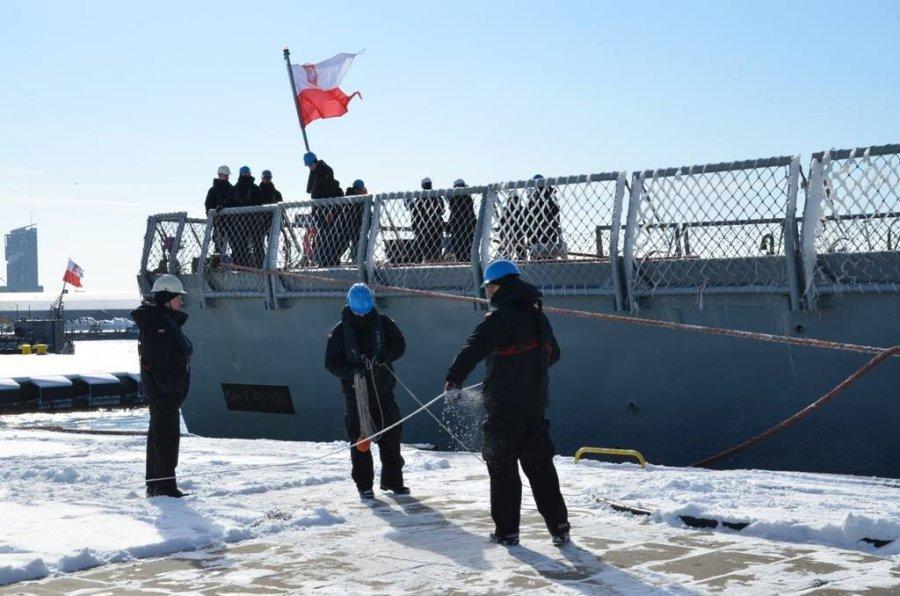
x,y
426,180
224,170
459,182
168,283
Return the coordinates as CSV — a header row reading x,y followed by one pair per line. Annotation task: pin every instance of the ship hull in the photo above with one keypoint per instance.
x,y
676,396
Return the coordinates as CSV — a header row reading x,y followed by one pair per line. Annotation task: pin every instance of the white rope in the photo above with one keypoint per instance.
x,y
318,457
361,389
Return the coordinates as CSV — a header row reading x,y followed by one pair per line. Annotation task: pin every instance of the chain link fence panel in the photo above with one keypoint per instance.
x,y
853,218
563,232
321,245
236,255
701,228
426,240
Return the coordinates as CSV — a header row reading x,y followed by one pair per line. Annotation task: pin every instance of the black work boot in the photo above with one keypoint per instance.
x,y
561,535
505,539
397,490
367,494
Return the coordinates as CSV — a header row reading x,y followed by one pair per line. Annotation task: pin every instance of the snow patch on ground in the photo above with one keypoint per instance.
x,y
71,502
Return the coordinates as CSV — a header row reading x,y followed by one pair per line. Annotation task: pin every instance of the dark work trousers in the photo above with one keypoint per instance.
x,y
163,437
261,224
388,445
525,439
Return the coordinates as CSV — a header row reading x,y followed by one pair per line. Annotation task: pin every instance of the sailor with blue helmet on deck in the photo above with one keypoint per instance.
x,y
517,342
363,347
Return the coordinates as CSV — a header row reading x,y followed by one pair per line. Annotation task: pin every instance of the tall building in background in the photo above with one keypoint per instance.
x,y
22,260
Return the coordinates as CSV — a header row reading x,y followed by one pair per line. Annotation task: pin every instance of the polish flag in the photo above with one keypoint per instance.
x,y
317,87
73,274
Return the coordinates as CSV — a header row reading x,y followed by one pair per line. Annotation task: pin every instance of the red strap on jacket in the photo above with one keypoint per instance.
x,y
518,348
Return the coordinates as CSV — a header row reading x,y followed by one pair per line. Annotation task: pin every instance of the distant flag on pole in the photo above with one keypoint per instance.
x,y
317,87
73,274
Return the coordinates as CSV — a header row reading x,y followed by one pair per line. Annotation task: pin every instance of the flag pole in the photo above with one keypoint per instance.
x,y
287,60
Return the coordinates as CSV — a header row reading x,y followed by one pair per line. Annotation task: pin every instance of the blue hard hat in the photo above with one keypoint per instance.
x,y
266,173
537,177
359,183
360,299
244,171
499,269
309,158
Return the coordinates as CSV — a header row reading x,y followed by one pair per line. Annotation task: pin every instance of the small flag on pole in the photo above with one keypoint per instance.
x,y
73,274
316,86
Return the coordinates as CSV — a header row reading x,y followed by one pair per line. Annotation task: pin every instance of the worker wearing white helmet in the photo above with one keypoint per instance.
x,y
165,355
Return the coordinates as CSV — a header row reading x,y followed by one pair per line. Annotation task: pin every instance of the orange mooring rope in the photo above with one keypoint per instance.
x,y
881,354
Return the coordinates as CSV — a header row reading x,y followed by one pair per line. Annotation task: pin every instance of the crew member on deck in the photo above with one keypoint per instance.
x,y
325,235
360,352
461,224
516,339
165,355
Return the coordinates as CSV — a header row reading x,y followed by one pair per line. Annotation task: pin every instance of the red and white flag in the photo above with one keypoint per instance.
x,y
73,274
317,87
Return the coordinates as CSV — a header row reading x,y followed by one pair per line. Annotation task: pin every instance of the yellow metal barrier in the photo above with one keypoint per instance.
x,y
40,349
606,451
25,348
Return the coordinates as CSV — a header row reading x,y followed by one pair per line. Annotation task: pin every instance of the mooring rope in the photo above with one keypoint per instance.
x,y
881,354
343,449
613,318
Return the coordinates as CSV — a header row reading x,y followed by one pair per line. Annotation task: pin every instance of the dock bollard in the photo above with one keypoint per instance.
x,y
25,349
40,349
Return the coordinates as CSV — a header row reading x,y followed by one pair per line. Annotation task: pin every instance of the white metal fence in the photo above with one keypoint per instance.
x,y
720,228
852,221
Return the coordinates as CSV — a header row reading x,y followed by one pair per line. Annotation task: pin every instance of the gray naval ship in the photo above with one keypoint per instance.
x,y
779,245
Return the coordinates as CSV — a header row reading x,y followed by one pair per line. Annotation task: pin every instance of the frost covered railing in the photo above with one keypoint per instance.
x,y
319,246
851,239
172,244
721,228
727,227
427,239
564,232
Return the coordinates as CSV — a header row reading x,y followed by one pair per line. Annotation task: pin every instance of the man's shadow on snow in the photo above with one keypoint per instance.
x,y
417,525
575,565
179,524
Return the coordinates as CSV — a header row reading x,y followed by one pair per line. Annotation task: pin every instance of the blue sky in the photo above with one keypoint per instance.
x,y
113,110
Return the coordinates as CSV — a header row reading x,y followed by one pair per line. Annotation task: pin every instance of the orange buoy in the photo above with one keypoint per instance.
x,y
364,446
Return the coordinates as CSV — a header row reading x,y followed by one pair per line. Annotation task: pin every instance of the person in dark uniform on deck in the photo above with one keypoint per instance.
x,y
244,225
353,216
322,185
427,225
516,339
366,342
220,196
266,194
461,223
165,355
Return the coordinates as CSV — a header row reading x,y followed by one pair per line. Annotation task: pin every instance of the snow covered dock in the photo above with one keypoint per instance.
x,y
73,517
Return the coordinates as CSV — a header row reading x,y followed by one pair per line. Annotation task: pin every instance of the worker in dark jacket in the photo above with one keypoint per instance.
x,y
428,225
353,214
165,355
518,343
461,223
361,350
322,185
544,228
242,227
266,194
220,196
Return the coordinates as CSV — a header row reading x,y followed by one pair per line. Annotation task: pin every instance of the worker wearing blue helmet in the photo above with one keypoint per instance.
x,y
517,342
367,343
